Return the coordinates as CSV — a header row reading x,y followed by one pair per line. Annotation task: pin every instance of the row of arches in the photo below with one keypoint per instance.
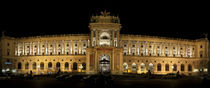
x,y
174,67
50,66
159,67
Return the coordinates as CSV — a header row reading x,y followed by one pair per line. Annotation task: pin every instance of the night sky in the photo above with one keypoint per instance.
x,y
177,20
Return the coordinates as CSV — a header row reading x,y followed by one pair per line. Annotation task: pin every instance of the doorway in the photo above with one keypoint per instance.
x,y
104,64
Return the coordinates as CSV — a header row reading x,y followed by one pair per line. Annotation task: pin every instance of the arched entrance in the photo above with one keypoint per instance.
x,y
104,64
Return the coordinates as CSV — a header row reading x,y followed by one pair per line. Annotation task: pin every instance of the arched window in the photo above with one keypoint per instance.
x,y
201,54
104,37
142,66
34,65
134,67
174,67
50,65
74,66
189,67
58,65
66,66
151,67
19,65
27,65
42,65
167,67
84,66
159,67
182,67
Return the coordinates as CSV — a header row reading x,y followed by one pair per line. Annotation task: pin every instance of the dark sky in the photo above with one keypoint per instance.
x,y
177,20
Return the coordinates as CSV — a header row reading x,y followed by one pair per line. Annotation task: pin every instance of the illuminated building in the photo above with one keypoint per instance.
x,y
103,50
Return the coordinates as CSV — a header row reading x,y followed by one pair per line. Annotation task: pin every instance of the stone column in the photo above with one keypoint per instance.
x,y
30,49
129,48
121,61
70,46
138,48
46,47
23,49
62,47
113,38
91,39
54,47
118,39
87,61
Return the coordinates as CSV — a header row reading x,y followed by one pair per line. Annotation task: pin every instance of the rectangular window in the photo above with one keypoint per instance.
x,y
7,53
201,55
115,34
124,53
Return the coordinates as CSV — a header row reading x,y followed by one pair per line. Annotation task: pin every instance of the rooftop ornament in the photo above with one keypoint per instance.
x,y
104,13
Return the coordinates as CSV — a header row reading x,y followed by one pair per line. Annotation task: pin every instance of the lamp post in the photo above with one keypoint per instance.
x,y
81,67
126,68
38,68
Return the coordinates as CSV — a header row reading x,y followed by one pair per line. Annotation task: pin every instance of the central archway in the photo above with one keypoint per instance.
x,y
104,64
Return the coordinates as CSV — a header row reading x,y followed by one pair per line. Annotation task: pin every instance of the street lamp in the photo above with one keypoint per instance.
x,y
38,68
126,68
81,67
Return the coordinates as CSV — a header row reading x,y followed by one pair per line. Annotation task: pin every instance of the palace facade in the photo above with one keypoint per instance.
x,y
103,50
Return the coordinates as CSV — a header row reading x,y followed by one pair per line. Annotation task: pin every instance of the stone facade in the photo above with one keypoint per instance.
x,y
104,50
